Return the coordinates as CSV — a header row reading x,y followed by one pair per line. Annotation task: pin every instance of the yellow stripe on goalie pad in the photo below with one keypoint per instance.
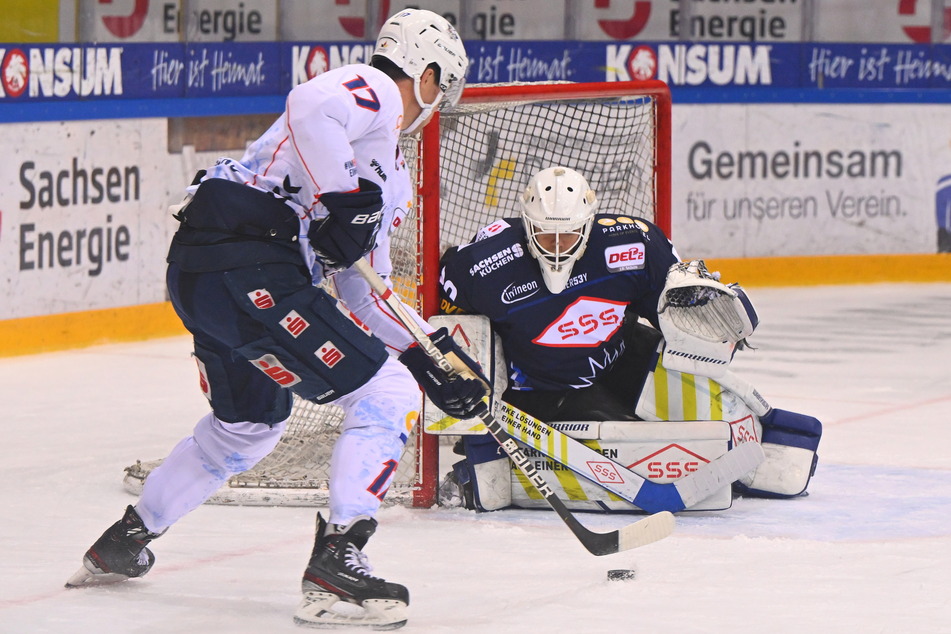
x,y
670,395
566,484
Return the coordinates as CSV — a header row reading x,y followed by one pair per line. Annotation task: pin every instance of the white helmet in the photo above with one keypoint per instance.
x,y
415,38
557,201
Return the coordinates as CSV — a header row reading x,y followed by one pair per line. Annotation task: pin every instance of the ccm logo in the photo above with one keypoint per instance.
x,y
673,469
625,257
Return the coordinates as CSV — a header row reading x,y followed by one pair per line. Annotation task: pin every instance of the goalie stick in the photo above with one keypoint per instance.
x,y
645,531
632,487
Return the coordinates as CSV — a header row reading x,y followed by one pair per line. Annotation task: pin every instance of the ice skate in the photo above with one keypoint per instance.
x,y
118,555
339,590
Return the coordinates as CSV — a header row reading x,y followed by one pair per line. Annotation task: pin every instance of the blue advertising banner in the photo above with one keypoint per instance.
x,y
178,79
136,71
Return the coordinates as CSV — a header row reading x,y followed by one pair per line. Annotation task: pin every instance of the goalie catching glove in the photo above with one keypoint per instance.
x,y
456,395
704,321
349,231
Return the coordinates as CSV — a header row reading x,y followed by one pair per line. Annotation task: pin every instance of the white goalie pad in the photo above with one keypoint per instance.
x,y
703,320
475,336
790,451
660,452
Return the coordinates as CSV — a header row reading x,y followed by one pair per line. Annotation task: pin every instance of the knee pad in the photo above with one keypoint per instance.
x,y
790,441
235,447
312,346
485,476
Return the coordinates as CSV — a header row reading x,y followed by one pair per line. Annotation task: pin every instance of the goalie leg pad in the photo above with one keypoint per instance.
x,y
790,441
310,345
486,473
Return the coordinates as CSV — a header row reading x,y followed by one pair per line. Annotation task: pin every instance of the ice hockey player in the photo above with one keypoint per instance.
x,y
306,200
563,287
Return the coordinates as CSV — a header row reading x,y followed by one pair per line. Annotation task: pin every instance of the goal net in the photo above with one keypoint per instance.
x,y
470,164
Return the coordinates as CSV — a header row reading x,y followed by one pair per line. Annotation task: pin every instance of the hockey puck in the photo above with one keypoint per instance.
x,y
620,575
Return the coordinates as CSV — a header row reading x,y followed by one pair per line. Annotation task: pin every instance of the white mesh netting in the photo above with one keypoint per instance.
x,y
487,150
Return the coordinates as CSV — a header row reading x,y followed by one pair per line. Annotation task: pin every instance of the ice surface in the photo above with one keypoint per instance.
x,y
869,550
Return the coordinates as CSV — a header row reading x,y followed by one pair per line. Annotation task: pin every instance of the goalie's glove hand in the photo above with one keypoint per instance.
x,y
457,396
349,232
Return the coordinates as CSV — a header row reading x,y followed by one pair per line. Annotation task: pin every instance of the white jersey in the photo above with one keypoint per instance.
x,y
339,126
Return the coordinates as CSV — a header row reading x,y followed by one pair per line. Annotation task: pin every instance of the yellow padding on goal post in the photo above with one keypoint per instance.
x,y
48,333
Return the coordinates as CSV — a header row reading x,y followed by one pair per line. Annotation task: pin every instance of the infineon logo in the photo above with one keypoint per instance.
x,y
61,71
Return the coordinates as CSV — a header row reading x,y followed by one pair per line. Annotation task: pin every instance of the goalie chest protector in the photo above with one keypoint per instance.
x,y
568,339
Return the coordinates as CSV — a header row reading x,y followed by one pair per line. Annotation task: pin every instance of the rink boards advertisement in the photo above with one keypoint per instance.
x,y
82,216
781,179
83,221
85,72
82,204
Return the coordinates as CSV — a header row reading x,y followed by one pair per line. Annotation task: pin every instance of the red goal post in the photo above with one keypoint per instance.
x,y
617,134
470,164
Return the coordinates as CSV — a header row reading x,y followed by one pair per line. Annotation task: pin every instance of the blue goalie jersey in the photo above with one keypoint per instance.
x,y
565,340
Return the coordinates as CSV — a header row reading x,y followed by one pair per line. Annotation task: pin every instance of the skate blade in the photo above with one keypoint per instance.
x,y
84,578
323,610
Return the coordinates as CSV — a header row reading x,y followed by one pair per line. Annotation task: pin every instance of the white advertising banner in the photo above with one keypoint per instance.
x,y
168,20
784,180
83,215
310,21
896,21
645,20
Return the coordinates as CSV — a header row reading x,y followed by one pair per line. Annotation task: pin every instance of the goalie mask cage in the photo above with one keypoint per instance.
x,y
470,164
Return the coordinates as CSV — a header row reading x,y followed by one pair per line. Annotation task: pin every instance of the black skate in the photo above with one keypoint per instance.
x,y
118,555
339,590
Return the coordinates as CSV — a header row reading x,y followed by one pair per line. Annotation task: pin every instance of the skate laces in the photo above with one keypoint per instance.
x,y
357,561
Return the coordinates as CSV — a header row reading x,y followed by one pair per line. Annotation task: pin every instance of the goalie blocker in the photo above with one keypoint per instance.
x,y
690,420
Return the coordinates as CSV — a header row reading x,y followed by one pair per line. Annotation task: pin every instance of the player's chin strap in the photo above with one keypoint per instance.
x,y
703,320
427,108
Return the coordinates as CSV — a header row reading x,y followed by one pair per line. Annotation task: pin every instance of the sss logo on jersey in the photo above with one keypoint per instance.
x,y
586,323
625,257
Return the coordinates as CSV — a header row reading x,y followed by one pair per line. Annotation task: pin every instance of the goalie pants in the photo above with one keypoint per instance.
x,y
613,395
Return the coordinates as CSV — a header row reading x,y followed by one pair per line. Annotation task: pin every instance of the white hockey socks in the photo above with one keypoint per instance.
x,y
378,418
199,465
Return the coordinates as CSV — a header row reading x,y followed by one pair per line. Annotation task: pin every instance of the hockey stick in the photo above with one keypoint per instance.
x,y
645,531
618,479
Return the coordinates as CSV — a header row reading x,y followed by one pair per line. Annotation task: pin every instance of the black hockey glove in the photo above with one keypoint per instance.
x,y
457,396
349,232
